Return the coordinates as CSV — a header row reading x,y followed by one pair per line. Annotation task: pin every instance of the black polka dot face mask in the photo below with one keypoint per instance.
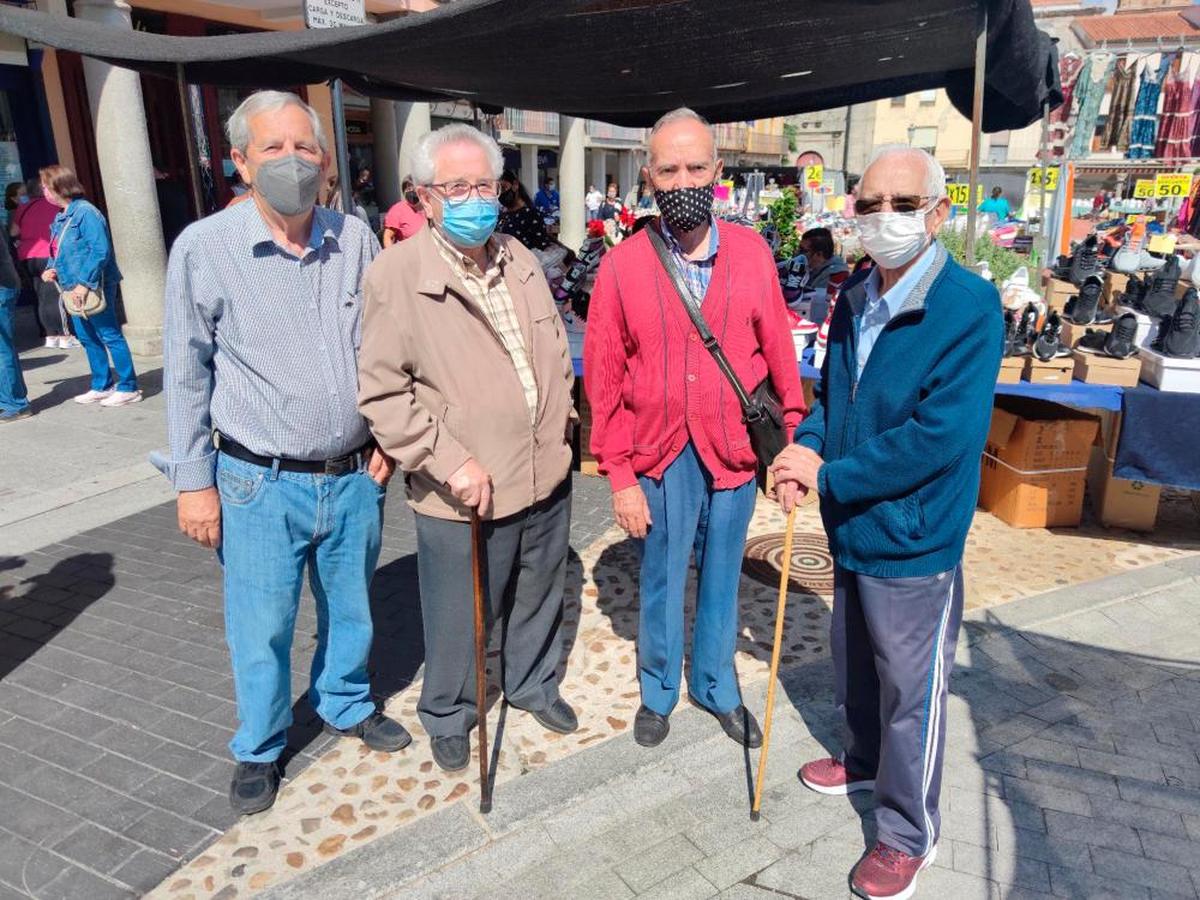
x,y
684,209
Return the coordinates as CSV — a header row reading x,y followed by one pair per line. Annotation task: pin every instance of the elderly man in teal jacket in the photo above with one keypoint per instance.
x,y
892,447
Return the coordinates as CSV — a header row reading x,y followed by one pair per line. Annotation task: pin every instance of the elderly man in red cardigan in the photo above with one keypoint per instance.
x,y
667,428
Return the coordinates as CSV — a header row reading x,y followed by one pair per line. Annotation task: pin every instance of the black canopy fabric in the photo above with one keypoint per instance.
x,y
623,61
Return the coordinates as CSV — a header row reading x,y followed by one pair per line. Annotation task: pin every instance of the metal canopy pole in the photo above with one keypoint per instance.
x,y
189,136
341,148
976,131
1043,236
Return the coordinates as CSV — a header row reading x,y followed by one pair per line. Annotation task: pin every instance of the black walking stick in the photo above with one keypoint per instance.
x,y
485,790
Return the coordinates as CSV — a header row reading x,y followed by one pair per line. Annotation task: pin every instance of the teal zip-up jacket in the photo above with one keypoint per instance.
x,y
902,443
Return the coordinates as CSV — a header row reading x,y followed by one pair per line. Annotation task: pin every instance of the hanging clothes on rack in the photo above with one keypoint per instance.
x,y
1120,108
1090,86
1145,112
1069,65
1177,124
1193,225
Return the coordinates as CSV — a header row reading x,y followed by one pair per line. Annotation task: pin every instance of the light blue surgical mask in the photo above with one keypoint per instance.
x,y
470,223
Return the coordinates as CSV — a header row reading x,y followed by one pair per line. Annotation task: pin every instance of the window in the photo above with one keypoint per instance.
x,y
898,101
923,138
997,151
928,98
997,155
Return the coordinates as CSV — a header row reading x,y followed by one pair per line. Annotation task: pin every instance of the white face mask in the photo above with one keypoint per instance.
x,y
893,238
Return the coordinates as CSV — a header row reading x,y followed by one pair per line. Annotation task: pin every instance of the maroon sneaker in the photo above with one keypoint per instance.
x,y
830,776
888,874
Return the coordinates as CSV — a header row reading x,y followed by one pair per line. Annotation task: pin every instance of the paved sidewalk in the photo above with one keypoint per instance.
x,y
1072,771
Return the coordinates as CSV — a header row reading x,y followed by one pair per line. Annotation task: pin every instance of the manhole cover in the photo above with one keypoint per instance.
x,y
812,565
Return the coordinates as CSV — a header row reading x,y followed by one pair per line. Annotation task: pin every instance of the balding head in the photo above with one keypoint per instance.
x,y
898,169
683,152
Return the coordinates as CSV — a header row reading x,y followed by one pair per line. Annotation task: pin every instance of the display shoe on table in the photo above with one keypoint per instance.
x,y
1026,329
1084,308
1159,299
1181,338
1086,262
1148,262
1135,290
1048,345
1093,341
1011,346
1121,342
1126,259
1062,267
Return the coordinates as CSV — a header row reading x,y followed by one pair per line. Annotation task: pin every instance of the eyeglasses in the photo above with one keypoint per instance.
x,y
901,203
456,192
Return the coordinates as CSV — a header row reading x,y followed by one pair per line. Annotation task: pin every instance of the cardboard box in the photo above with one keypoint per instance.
x,y
1167,373
1011,369
1114,286
1071,332
1118,502
1095,368
1034,466
1056,371
1058,292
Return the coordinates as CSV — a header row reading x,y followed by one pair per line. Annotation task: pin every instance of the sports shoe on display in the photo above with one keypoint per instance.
x,y
1126,259
1148,262
1048,344
1084,308
94,396
1159,300
1181,339
1026,329
889,874
1121,342
1093,341
1086,262
1010,334
122,398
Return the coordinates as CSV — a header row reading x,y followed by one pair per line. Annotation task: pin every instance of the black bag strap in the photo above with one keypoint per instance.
x,y
711,344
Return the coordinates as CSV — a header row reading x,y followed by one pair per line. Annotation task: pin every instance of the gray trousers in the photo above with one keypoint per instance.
x,y
892,641
524,577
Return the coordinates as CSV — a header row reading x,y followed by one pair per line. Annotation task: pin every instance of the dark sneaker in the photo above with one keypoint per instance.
x,y
1011,348
1094,341
1160,300
1182,340
377,731
451,752
6,417
1086,262
650,728
1049,340
830,776
1121,342
741,726
889,874
1027,329
558,717
254,787
1082,309
1135,292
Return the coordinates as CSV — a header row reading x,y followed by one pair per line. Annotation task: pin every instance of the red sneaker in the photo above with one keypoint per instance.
x,y
830,776
888,874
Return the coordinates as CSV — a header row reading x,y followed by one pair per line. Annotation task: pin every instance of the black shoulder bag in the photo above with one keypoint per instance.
x,y
762,411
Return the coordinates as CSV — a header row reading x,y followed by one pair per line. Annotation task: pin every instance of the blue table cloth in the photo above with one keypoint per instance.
x,y
1160,432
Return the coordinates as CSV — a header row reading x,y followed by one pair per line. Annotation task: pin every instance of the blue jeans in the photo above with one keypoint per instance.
x,y
13,395
689,517
275,526
101,336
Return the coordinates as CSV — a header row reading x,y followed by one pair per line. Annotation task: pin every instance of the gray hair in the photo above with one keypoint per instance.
x,y
237,129
935,175
424,158
683,114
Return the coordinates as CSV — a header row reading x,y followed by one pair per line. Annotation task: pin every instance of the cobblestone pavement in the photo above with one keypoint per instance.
x,y
1071,771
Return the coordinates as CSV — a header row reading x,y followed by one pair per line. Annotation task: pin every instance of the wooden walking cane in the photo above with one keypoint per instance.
x,y
485,791
784,576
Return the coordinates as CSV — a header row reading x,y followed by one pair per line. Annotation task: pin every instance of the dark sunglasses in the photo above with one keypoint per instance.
x,y
901,204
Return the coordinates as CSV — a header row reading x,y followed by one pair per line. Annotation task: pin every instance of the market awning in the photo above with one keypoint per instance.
x,y
622,61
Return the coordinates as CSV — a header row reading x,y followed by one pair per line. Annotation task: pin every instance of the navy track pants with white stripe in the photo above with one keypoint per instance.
x,y
892,641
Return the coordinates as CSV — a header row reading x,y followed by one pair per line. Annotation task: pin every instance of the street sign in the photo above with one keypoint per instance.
x,y
1035,178
334,13
960,193
814,175
1143,189
1172,187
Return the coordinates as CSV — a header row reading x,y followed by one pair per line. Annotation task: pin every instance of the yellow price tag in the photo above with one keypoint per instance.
x,y
815,173
1131,218
1172,187
1162,243
1143,189
1035,178
960,194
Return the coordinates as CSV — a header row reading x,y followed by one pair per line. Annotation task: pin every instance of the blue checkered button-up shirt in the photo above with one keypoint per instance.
x,y
261,345
697,273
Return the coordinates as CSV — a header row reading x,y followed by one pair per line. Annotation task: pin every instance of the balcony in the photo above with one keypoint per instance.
x,y
605,132
731,138
766,144
526,121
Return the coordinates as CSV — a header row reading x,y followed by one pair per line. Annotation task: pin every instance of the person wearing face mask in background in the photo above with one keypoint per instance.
x,y
667,428
274,466
913,351
518,216
466,379
406,217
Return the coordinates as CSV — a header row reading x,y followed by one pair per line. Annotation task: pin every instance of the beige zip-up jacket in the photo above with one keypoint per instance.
x,y
438,388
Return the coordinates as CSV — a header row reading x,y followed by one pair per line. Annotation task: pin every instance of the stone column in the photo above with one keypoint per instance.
x,y
529,169
571,183
628,172
598,173
387,153
123,150
412,121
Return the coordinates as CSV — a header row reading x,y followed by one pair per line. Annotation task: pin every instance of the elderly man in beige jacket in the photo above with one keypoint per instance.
x,y
466,379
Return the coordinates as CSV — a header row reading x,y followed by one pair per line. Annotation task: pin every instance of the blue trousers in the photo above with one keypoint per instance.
x,y
13,395
688,517
275,526
101,337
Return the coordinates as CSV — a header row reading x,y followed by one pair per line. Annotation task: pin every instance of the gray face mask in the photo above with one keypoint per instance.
x,y
289,184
